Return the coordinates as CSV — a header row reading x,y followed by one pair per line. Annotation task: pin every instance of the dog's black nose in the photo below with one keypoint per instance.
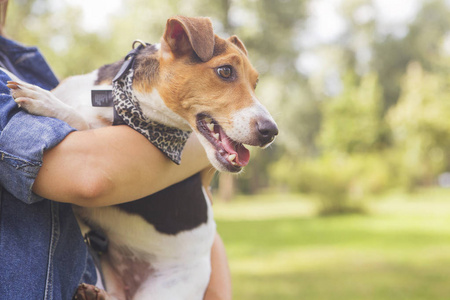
x,y
267,130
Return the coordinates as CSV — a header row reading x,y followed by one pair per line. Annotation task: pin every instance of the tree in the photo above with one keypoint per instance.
x,y
420,125
422,43
353,120
353,139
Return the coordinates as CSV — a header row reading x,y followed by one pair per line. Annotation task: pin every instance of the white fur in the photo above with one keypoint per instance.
x,y
76,92
155,109
242,120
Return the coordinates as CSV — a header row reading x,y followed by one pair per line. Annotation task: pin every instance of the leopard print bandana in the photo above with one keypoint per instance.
x,y
169,140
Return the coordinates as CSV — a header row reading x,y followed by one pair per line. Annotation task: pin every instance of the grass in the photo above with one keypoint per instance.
x,y
278,249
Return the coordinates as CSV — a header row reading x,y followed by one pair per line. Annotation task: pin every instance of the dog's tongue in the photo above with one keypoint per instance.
x,y
242,153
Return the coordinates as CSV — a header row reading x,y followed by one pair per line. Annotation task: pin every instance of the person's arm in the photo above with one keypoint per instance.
x,y
23,139
111,165
219,287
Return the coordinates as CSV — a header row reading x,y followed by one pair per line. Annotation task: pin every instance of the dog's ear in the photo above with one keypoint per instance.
x,y
235,40
186,34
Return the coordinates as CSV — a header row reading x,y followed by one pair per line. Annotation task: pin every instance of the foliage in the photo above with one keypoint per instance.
x,y
422,43
56,31
420,125
351,166
340,183
352,121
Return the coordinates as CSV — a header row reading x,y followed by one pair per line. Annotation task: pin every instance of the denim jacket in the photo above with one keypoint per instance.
x,y
42,253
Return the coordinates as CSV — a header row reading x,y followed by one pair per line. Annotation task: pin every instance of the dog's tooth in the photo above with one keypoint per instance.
x,y
208,120
216,135
210,126
231,157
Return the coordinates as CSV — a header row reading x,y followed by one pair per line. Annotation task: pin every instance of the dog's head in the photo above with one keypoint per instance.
x,y
210,83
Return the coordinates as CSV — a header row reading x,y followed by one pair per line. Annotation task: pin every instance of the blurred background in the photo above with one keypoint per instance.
x,y
352,201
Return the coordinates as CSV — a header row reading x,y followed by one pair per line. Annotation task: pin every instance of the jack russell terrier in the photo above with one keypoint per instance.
x,y
193,81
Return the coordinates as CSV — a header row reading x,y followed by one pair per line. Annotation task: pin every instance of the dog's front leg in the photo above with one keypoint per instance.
x,y
38,101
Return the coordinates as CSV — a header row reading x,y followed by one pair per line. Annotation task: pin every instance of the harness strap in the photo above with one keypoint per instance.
x,y
97,243
129,60
104,98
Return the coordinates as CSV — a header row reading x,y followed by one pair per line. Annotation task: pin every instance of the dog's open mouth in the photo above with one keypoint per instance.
x,y
233,155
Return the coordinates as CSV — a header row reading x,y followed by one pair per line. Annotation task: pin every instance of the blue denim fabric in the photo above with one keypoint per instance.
x,y
42,252
27,64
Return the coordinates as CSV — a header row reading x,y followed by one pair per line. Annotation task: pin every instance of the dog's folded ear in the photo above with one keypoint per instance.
x,y
185,34
235,40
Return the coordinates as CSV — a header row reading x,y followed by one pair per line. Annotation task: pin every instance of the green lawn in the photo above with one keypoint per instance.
x,y
278,249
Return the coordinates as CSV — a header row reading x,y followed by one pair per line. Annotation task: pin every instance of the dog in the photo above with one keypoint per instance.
x,y
192,81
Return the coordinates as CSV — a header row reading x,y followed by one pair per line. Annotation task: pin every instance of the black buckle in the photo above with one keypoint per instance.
x,y
97,241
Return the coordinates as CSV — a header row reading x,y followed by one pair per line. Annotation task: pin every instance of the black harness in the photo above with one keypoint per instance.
x,y
105,98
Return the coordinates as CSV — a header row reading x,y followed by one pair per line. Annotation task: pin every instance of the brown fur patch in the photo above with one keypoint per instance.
x,y
107,73
146,70
220,46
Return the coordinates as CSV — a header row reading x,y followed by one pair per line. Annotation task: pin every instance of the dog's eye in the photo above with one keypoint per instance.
x,y
225,72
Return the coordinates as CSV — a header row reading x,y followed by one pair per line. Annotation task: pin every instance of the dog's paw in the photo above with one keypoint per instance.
x,y
90,292
41,102
34,99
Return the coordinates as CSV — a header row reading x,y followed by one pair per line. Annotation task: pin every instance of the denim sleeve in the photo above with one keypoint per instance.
x,y
23,139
